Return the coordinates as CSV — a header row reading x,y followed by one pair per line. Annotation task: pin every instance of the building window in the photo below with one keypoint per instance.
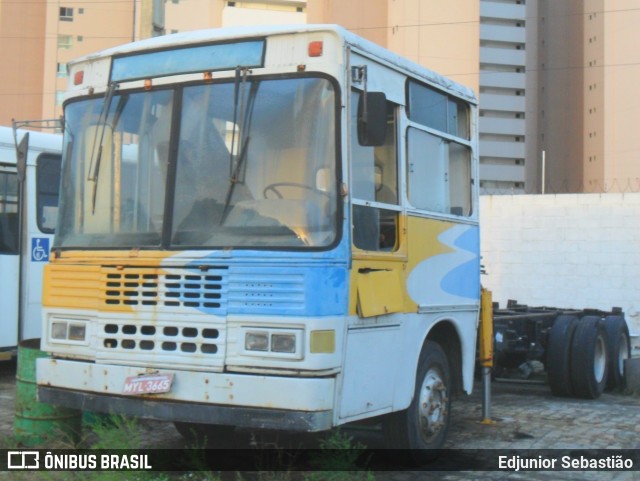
x,y
66,14
65,41
59,98
80,38
61,70
80,11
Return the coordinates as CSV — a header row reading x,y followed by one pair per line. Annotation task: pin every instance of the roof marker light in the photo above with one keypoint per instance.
x,y
78,77
315,48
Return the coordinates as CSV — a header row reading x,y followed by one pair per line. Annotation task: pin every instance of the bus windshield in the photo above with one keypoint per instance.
x,y
245,163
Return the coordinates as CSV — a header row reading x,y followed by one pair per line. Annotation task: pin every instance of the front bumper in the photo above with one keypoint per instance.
x,y
243,400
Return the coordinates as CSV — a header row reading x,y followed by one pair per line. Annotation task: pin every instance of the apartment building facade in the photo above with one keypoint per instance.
x,y
589,70
553,76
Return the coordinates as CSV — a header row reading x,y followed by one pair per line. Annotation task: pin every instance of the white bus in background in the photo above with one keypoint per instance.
x,y
28,211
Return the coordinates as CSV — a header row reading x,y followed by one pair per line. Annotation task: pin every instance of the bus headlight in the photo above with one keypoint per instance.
x,y
58,330
283,343
277,342
256,341
70,331
77,332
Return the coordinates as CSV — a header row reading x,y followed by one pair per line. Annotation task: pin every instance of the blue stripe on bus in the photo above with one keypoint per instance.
x,y
264,290
463,280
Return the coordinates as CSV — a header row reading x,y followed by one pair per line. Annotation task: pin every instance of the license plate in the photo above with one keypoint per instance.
x,y
148,384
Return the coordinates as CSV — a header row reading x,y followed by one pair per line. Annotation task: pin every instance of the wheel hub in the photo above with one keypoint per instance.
x,y
433,405
600,359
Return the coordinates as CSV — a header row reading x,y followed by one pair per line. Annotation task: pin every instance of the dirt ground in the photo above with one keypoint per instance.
x,y
525,415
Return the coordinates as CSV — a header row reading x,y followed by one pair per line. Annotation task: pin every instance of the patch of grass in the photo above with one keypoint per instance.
x,y
338,460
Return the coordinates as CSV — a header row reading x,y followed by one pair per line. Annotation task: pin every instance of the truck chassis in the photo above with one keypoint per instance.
x,y
582,351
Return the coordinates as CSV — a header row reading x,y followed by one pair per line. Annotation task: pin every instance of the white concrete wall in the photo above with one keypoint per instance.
x,y
569,250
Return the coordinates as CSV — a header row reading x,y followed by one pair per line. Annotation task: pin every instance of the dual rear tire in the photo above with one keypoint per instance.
x,y
586,355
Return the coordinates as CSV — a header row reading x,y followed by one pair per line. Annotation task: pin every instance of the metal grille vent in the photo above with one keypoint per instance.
x,y
172,290
168,339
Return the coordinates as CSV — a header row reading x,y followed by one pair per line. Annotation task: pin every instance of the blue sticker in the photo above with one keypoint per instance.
x,y
40,249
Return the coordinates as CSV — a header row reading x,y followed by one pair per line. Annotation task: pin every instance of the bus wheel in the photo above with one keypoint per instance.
x,y
559,355
205,435
589,358
422,428
619,349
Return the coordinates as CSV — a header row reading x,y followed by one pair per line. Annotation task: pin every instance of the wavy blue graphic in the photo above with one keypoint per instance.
x,y
464,280
453,277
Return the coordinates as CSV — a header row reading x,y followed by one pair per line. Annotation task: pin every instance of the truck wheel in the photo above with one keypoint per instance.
x,y
205,435
589,358
559,355
421,429
619,349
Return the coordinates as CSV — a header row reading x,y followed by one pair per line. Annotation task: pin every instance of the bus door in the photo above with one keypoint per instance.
x,y
378,246
41,206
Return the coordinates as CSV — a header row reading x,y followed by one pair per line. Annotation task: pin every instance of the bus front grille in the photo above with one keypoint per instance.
x,y
138,288
162,343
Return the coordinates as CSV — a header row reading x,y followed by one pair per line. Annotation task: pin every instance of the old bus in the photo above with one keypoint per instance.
x,y
28,209
290,242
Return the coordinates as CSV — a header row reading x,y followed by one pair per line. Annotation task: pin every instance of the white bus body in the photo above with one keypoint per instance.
x,y
21,265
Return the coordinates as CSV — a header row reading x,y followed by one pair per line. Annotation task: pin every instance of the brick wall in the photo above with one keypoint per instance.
x,y
568,250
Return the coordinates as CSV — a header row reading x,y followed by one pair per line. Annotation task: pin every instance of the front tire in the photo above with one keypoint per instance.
x,y
422,428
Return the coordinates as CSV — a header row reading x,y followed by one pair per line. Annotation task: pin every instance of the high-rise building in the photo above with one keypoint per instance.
x,y
555,78
589,70
506,57
22,55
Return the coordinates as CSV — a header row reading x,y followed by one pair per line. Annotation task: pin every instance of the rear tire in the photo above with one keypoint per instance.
x,y
421,429
589,358
559,355
619,349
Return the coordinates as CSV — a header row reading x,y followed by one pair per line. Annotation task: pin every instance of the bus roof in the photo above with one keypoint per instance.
x,y
38,141
222,34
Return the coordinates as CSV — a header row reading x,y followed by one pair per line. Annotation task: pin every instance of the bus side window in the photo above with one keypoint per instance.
x,y
48,186
439,173
8,213
374,179
438,167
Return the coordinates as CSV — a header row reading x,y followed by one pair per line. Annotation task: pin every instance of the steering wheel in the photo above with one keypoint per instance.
x,y
274,187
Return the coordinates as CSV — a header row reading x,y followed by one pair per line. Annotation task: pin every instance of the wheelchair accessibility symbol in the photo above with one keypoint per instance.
x,y
39,249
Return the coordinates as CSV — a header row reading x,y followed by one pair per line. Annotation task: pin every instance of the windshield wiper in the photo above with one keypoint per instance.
x,y
243,124
95,160
234,180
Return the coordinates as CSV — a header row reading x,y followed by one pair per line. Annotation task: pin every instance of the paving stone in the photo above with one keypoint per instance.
x,y
526,416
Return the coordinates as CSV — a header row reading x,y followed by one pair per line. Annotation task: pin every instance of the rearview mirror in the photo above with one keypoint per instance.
x,y
372,119
22,150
